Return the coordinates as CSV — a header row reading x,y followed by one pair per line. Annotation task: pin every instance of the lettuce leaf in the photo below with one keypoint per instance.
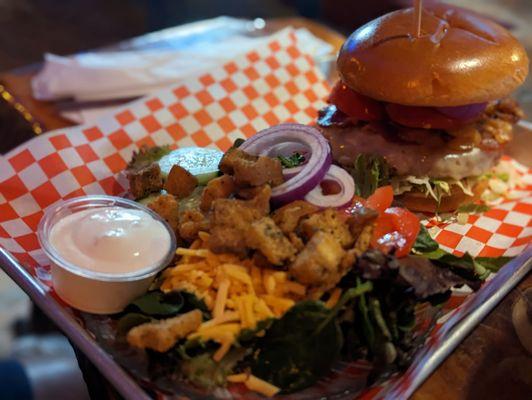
x,y
370,172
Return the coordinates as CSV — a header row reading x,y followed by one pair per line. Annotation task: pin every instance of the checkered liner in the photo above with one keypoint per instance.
x,y
275,83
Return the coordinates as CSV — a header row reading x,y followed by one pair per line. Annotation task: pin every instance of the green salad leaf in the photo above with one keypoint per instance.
x,y
237,143
298,348
192,302
472,208
157,303
369,172
424,242
204,372
492,264
129,321
147,155
292,161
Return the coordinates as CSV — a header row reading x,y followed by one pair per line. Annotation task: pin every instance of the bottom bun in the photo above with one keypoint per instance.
x,y
417,201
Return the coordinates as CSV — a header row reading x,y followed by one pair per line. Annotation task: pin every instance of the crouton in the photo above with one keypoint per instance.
x,y
360,216
217,188
265,170
162,335
264,235
249,170
167,207
328,221
296,241
261,200
180,182
145,180
288,216
225,239
230,157
231,220
364,239
318,264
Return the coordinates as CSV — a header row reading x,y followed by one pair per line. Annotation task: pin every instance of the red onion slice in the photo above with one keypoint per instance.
x,y
291,172
463,113
276,140
346,182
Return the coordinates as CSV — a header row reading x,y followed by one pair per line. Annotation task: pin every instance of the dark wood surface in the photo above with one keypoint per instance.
x,y
490,364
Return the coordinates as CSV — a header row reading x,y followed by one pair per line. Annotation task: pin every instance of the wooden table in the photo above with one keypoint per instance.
x,y
490,364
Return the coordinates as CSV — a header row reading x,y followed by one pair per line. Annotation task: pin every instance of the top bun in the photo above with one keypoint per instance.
x,y
460,58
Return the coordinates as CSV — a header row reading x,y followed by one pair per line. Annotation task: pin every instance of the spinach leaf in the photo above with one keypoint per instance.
x,y
292,161
369,172
248,334
192,302
424,242
297,349
157,303
129,321
472,208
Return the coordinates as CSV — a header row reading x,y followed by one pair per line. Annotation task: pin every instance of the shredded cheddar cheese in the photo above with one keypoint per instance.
x,y
256,384
238,293
335,296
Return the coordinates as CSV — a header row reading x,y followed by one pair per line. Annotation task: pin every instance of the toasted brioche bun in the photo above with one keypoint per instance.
x,y
460,58
416,201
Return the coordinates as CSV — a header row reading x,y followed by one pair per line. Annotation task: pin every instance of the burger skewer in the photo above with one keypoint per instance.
x,y
418,8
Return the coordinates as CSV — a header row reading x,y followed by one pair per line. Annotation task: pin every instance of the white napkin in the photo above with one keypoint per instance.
x,y
123,74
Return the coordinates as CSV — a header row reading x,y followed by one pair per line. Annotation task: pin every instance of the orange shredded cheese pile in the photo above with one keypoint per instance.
x,y
238,293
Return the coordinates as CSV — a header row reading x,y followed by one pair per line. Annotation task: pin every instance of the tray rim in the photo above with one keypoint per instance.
x,y
430,358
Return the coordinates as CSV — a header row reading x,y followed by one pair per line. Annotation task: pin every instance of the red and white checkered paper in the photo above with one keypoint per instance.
x,y
272,84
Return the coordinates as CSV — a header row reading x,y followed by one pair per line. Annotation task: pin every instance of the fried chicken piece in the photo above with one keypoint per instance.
x,y
251,170
264,235
318,264
180,182
167,207
191,222
217,188
162,335
145,180
328,221
288,216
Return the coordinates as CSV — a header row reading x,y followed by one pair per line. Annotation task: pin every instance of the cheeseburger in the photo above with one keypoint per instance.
x,y
433,107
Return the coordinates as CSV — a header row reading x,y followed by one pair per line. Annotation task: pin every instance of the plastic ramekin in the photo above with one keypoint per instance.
x,y
92,291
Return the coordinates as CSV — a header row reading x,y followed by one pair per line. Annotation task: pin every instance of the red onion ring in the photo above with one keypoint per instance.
x,y
291,172
270,141
463,113
344,179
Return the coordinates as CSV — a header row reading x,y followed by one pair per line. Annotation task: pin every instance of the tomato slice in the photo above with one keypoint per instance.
x,y
421,117
355,104
381,199
396,228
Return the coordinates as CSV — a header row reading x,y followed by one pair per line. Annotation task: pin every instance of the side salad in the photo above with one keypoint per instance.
x,y
286,266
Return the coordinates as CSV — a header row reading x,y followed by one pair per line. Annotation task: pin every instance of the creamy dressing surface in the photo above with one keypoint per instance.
x,y
111,239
